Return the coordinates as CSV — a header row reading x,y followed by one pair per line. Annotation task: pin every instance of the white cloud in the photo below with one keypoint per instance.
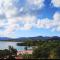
x,y
53,24
36,4
8,9
10,25
11,21
27,22
56,16
10,13
1,23
56,3
1,13
44,23
58,28
21,9
31,21
14,24
26,27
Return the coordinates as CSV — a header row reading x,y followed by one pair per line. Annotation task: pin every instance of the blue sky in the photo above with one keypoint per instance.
x,y
27,18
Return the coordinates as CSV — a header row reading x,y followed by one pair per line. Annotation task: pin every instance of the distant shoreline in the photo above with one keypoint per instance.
x,y
9,41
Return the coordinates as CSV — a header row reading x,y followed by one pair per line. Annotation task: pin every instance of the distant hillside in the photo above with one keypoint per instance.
x,y
30,38
5,38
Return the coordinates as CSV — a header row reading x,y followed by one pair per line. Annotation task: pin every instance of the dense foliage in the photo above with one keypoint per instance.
x,y
8,53
49,49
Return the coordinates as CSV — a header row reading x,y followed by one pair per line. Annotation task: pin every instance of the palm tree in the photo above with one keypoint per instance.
x,y
13,52
26,48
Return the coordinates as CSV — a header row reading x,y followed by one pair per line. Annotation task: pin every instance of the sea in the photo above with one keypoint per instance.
x,y
5,45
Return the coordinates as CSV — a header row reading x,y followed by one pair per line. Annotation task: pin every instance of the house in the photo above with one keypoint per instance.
x,y
24,52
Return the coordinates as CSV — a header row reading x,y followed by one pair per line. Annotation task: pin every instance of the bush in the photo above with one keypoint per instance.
x,y
41,53
27,56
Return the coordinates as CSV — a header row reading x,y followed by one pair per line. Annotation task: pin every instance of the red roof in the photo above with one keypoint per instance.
x,y
18,58
24,52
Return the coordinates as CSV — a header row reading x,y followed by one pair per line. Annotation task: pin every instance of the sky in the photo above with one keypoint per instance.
x,y
29,18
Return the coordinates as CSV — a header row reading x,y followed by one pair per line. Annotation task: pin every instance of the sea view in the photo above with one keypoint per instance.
x,y
29,29
4,45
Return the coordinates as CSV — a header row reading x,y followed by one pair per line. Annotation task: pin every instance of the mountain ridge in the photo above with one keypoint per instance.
x,y
32,38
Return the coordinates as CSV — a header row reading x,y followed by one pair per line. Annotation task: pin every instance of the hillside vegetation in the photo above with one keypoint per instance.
x,y
44,49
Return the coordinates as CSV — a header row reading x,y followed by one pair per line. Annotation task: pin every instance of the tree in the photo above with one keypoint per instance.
x,y
26,48
41,53
58,52
12,50
27,56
